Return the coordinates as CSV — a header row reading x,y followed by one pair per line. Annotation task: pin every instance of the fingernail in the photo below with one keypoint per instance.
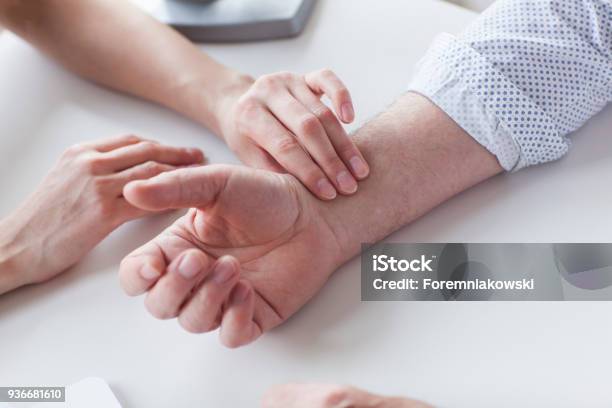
x,y
347,182
348,113
189,266
224,271
326,189
148,272
240,293
359,166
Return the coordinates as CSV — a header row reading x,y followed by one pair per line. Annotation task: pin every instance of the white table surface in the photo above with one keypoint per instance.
x,y
485,354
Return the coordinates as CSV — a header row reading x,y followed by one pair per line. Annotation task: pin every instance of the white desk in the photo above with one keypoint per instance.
x,y
451,354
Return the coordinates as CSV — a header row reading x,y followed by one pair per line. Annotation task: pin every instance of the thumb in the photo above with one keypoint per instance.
x,y
182,188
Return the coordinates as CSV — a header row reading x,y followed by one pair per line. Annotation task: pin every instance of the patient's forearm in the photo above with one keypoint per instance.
x,y
114,43
419,158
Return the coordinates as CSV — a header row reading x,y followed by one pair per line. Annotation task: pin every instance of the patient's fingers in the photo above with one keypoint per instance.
x,y
112,143
183,274
135,154
141,269
238,327
327,82
202,312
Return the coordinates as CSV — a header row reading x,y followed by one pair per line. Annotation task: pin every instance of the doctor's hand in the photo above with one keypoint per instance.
x,y
78,204
252,250
331,396
279,123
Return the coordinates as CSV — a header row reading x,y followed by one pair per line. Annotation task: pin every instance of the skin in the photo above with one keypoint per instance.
x,y
229,263
280,124
331,396
276,122
78,204
256,245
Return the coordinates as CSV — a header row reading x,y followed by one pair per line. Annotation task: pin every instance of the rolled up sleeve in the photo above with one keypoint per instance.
x,y
523,76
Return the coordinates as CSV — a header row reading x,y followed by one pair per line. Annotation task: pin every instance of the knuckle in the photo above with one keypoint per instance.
x,y
247,113
265,82
152,167
130,138
247,107
335,397
101,186
73,150
285,76
325,114
309,125
92,163
105,211
286,145
148,147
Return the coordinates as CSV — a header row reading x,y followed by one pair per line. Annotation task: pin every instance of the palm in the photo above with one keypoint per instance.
x,y
270,224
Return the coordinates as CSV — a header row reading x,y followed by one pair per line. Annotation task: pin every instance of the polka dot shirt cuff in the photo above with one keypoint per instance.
x,y
489,107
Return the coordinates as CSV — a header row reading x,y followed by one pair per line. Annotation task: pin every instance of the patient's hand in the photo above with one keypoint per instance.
x,y
255,248
259,245
331,396
78,204
279,123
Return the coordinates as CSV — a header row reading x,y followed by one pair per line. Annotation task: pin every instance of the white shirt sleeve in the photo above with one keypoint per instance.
x,y
523,76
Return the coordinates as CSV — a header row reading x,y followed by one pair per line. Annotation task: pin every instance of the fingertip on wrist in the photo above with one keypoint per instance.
x,y
326,190
359,167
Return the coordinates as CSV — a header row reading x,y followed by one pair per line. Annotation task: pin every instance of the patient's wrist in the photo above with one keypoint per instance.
x,y
419,158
